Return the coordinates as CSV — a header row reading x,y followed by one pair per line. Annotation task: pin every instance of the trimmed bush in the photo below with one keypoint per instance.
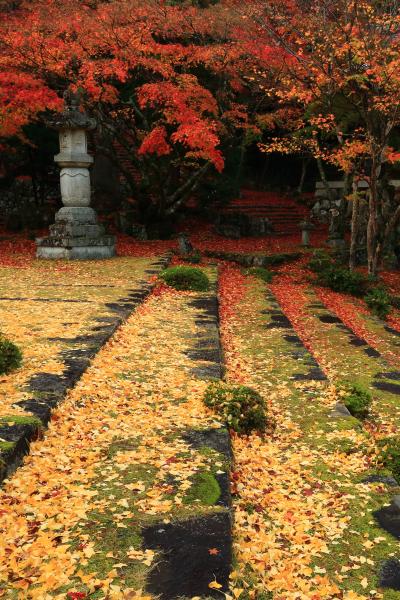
x,y
356,399
378,301
260,273
320,261
186,278
242,408
193,258
343,280
10,356
389,454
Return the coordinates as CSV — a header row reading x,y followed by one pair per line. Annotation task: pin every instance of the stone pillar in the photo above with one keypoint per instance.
x,y
336,229
306,227
76,233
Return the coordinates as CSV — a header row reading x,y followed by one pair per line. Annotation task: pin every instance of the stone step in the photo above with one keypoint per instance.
x,y
74,242
76,230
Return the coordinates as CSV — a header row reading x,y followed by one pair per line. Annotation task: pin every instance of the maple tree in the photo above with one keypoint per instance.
x,y
338,65
159,77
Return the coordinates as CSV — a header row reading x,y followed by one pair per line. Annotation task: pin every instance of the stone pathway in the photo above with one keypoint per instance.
x,y
138,499
54,363
303,508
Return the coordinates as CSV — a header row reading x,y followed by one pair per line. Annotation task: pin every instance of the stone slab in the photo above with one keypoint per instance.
x,y
78,253
389,576
186,567
76,242
76,230
76,214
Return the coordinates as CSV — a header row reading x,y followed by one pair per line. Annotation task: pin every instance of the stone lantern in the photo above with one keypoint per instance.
x,y
76,233
305,227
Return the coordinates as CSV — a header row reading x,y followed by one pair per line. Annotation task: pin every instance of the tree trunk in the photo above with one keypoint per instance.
x,y
373,246
355,224
304,165
324,180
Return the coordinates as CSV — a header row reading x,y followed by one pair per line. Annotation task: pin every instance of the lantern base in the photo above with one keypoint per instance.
x,y
76,235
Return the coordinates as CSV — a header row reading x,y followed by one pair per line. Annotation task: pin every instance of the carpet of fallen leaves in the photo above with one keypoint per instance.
x,y
355,314
288,521
331,345
43,308
138,393
17,251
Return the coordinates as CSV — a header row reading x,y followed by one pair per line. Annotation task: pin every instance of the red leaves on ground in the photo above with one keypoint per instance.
x,y
350,311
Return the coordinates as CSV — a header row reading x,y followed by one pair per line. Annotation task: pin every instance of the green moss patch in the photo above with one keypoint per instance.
x,y
20,420
205,490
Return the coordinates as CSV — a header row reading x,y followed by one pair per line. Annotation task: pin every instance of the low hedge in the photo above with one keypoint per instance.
x,y
379,302
186,279
356,399
242,408
10,356
260,273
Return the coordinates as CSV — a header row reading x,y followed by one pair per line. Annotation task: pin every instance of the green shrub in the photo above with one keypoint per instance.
x,y
243,408
395,301
378,301
276,260
320,261
193,258
10,356
343,280
186,278
260,273
356,399
389,455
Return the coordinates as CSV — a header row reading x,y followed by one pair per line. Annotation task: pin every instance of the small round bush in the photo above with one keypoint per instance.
x,y
319,261
342,280
378,301
389,455
10,356
186,278
242,408
260,273
356,399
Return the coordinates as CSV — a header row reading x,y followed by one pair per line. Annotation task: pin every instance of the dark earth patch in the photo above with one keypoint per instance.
x,y
293,339
314,374
218,440
21,435
357,341
395,375
392,331
385,386
329,319
389,576
388,518
186,566
206,355
211,371
372,353
385,479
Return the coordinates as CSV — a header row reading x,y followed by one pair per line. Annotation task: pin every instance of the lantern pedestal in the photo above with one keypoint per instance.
x,y
76,234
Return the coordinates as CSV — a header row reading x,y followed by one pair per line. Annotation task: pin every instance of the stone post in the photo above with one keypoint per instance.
x,y
336,234
76,233
185,246
305,227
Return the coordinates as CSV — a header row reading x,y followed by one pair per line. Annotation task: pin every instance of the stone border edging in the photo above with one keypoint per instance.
x,y
53,388
254,260
186,566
